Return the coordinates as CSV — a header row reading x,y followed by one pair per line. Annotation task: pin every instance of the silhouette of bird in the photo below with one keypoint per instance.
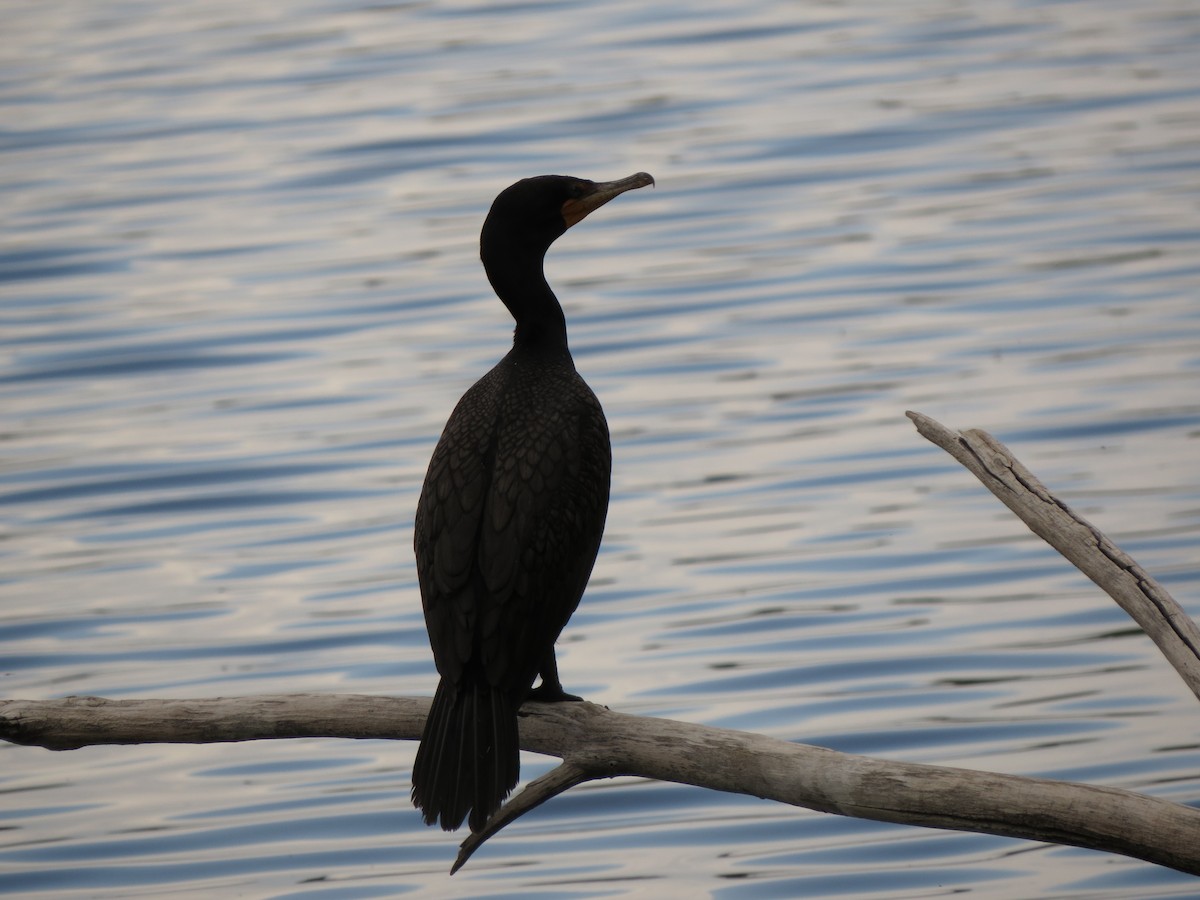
x,y
510,516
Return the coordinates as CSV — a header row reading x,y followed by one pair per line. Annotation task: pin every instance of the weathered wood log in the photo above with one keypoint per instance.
x,y
74,722
594,742
597,743
1079,541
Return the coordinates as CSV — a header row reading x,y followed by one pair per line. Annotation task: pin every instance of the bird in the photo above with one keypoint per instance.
x,y
510,516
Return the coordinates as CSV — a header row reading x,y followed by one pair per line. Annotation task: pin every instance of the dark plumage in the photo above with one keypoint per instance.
x,y
510,516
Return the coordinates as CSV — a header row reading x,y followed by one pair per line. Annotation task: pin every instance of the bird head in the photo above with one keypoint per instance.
x,y
535,212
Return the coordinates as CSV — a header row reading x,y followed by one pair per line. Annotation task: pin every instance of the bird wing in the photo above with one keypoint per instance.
x,y
446,528
542,523
508,526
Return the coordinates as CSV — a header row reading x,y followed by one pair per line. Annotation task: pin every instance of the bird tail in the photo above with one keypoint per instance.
x,y
469,756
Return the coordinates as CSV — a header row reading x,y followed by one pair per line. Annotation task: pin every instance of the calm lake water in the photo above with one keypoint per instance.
x,y
240,296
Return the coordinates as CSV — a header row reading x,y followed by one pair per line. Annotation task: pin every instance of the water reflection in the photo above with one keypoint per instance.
x,y
239,296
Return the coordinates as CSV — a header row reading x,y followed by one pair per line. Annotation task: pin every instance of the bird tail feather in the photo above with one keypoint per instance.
x,y
469,756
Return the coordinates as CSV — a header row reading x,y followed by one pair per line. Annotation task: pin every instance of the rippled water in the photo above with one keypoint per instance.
x,y
240,296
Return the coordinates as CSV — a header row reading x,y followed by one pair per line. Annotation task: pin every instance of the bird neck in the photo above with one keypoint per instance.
x,y
517,278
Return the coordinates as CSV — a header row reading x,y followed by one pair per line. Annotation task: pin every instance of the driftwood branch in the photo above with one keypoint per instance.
x,y
597,743
1081,543
74,722
594,742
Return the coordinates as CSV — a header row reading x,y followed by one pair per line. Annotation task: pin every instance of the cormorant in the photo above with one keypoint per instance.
x,y
510,516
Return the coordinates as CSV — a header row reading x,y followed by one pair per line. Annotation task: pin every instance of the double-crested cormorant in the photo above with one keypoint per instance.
x,y
510,516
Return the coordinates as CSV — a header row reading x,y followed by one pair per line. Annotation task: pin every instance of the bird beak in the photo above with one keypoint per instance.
x,y
574,210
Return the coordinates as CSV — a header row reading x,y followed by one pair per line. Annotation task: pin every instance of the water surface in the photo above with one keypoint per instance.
x,y
239,295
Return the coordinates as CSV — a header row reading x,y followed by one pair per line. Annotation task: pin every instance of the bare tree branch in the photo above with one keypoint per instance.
x,y
1081,543
74,722
557,781
595,743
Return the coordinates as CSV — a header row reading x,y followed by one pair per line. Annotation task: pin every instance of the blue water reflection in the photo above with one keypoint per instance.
x,y
239,295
